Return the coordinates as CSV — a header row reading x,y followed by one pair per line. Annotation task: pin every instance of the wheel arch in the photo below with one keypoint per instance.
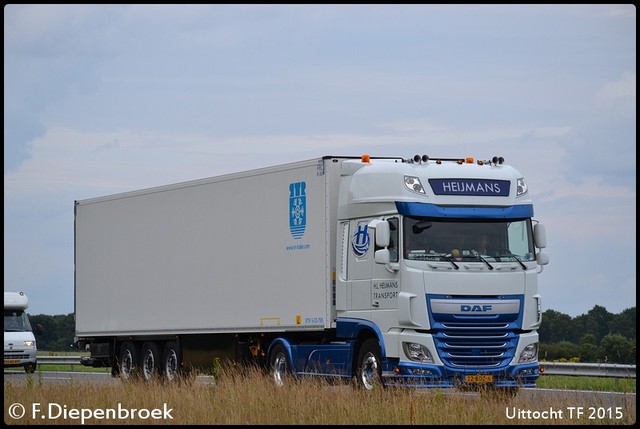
x,y
284,343
359,330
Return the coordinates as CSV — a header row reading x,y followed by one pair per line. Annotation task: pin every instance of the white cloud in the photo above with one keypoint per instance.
x,y
619,96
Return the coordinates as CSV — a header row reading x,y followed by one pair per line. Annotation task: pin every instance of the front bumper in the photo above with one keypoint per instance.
x,y
17,357
429,376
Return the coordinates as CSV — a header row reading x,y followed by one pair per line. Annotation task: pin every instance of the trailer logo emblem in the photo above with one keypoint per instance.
x,y
297,209
361,239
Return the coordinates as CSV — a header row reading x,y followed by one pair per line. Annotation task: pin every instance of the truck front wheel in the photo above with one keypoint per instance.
x,y
128,361
369,369
279,364
30,368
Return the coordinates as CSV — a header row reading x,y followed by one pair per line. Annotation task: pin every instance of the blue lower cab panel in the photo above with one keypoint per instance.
x,y
330,360
430,376
334,360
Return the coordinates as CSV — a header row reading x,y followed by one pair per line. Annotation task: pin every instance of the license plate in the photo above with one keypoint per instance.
x,y
11,361
479,378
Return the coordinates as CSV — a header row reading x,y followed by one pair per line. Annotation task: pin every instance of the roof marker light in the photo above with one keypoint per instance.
x,y
469,160
365,159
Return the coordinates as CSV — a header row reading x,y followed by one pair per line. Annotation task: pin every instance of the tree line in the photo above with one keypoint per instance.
x,y
597,336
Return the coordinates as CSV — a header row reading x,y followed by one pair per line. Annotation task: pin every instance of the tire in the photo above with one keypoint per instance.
x,y
30,368
279,364
129,359
171,362
150,361
369,365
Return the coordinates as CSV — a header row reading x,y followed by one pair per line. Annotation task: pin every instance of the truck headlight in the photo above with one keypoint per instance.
x,y
529,354
417,352
28,343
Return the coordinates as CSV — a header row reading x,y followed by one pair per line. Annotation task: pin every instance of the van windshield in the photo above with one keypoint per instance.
x,y
16,321
496,240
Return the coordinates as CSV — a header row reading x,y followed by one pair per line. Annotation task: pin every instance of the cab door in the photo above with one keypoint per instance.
x,y
385,282
360,264
366,289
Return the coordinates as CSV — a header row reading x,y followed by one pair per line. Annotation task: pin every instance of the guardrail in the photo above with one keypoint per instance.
x,y
546,368
588,369
59,360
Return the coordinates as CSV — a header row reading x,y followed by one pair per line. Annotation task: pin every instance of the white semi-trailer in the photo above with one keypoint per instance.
x,y
347,267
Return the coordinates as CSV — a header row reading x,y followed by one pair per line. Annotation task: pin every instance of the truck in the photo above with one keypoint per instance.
x,y
19,340
359,269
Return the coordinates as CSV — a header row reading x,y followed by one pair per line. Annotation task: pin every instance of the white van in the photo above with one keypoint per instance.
x,y
19,341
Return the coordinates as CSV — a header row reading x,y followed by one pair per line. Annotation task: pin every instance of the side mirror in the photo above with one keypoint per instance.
x,y
38,330
540,235
542,258
382,256
383,232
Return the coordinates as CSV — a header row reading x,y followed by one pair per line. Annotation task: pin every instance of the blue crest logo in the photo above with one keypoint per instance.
x,y
360,239
297,209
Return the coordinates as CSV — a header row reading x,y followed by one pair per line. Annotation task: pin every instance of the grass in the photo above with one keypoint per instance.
x,y
605,384
250,397
597,384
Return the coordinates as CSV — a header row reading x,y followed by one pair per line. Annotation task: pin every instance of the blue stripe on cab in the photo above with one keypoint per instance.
x,y
432,210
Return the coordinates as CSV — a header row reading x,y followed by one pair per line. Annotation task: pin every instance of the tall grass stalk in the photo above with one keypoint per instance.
x,y
250,397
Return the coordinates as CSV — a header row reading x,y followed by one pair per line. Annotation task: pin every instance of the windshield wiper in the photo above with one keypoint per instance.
x,y
511,255
479,256
524,267
451,260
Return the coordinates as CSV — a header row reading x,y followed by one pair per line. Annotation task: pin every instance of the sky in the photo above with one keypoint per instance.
x,y
101,99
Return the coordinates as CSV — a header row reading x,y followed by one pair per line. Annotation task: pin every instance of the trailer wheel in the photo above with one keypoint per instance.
x,y
150,362
128,361
171,361
279,363
369,365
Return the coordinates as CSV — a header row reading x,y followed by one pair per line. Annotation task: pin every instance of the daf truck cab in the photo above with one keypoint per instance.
x,y
19,340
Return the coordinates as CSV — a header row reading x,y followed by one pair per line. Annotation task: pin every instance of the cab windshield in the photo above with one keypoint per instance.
x,y
429,239
16,321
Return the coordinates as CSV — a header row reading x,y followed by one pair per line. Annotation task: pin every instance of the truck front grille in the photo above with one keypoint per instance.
x,y
475,342
19,355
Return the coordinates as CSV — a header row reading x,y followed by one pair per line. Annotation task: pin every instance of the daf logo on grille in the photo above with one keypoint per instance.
x,y
480,308
475,307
